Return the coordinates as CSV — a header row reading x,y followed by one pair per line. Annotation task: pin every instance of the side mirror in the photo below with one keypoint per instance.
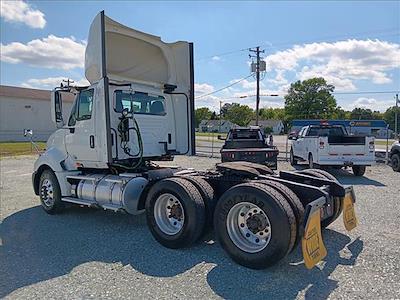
x,y
56,108
292,137
220,137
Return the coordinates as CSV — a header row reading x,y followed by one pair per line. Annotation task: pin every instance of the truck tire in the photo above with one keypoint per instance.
x,y
293,160
50,193
255,225
359,170
175,212
294,202
336,200
207,192
395,161
311,164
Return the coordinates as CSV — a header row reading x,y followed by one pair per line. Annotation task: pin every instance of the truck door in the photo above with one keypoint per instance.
x,y
298,144
80,138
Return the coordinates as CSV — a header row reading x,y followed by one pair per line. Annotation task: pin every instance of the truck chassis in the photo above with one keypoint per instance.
x,y
258,216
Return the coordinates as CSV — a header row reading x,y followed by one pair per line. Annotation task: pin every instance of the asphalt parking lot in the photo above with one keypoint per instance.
x,y
87,253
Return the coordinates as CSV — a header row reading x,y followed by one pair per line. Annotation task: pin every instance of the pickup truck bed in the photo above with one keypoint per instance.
x,y
248,144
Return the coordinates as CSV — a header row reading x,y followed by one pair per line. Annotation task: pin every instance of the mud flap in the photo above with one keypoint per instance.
x,y
349,214
312,245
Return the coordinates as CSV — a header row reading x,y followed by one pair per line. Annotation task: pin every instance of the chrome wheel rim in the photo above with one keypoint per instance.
x,y
169,214
248,227
47,193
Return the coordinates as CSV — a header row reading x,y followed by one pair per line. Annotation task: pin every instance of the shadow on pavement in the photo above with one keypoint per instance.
x,y
38,247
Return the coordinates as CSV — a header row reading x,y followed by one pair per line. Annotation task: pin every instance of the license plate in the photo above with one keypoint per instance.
x,y
349,214
312,245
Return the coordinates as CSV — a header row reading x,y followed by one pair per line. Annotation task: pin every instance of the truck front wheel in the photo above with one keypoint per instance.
x,y
359,170
293,160
255,225
175,212
50,193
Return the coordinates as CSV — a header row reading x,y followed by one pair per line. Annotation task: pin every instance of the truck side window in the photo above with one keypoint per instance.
x,y
85,105
139,103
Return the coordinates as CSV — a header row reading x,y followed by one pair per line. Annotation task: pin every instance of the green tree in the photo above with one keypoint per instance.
x,y
202,113
361,114
389,116
341,114
239,114
310,99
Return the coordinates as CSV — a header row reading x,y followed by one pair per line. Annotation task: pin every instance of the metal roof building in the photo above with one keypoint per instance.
x,y
25,108
377,128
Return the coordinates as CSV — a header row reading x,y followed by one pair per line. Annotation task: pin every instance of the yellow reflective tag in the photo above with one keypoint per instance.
x,y
349,214
312,244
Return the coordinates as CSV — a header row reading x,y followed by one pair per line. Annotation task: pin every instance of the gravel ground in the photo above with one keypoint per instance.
x,y
86,253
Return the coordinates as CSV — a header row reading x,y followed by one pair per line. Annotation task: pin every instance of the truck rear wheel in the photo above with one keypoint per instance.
x,y
175,212
294,202
50,193
207,192
359,170
337,210
255,225
311,164
395,161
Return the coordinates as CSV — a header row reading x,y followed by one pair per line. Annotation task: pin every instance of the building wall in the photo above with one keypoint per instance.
x,y
17,114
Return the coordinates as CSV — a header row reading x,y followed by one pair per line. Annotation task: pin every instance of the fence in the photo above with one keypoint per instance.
x,y
208,144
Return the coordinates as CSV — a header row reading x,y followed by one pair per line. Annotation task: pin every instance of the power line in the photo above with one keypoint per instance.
x,y
365,92
223,88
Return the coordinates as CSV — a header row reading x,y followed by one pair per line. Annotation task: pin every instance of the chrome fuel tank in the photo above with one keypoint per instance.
x,y
113,191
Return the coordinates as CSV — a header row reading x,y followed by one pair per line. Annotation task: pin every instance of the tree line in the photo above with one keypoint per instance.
x,y
308,99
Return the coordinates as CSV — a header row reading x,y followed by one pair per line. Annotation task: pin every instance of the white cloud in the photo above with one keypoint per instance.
x,y
203,88
51,82
18,11
216,58
341,63
51,52
371,103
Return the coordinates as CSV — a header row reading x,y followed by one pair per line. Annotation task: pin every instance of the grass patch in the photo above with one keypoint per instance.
x,y
19,148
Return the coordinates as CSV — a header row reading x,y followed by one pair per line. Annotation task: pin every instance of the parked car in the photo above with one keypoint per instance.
x,y
331,145
249,144
394,156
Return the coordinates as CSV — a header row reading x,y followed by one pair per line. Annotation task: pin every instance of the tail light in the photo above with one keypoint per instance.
x,y
229,154
371,145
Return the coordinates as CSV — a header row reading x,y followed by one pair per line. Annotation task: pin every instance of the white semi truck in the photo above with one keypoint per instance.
x,y
138,109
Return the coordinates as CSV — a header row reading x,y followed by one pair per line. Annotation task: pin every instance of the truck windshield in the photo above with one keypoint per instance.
x,y
139,103
326,131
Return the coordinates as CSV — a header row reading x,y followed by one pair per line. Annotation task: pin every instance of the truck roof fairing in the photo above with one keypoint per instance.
x,y
134,56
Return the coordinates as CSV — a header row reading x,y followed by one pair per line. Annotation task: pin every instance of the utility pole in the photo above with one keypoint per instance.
x,y
257,51
396,116
220,116
68,81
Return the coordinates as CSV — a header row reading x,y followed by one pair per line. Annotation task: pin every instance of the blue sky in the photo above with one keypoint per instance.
x,y
354,45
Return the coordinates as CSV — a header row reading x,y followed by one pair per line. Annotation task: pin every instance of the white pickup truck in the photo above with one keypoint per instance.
x,y
331,145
